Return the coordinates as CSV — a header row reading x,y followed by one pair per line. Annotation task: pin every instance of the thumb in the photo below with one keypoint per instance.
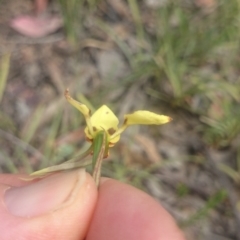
x,y
59,206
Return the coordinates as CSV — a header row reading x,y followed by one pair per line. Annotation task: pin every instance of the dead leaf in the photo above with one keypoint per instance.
x,y
36,27
72,137
40,5
149,146
205,3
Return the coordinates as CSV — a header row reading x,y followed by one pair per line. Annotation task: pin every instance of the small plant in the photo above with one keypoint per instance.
x,y
103,132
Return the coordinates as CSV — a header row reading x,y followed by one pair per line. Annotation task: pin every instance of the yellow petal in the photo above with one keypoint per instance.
x,y
146,118
82,108
105,119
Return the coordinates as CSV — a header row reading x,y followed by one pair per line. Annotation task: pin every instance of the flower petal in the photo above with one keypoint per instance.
x,y
105,119
145,118
83,109
141,117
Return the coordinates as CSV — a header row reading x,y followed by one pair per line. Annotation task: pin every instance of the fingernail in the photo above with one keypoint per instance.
x,y
45,195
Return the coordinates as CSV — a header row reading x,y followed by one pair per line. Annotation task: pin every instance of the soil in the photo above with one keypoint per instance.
x,y
181,171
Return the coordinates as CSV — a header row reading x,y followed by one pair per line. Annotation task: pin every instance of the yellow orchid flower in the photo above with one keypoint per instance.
x,y
102,130
105,119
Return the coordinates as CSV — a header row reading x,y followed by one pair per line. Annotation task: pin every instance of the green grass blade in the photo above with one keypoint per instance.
x,y
4,69
32,125
76,162
99,147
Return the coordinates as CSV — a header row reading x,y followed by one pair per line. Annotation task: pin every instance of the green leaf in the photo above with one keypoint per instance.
x,y
68,165
100,150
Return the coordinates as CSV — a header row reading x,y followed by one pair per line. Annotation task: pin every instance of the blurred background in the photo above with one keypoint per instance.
x,y
174,57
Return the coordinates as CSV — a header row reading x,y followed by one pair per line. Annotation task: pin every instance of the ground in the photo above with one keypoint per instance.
x,y
175,58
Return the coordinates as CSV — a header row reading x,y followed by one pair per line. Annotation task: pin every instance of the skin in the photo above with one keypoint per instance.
x,y
67,205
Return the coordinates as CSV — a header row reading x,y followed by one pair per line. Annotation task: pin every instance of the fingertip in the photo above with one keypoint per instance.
x,y
13,179
36,216
124,212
